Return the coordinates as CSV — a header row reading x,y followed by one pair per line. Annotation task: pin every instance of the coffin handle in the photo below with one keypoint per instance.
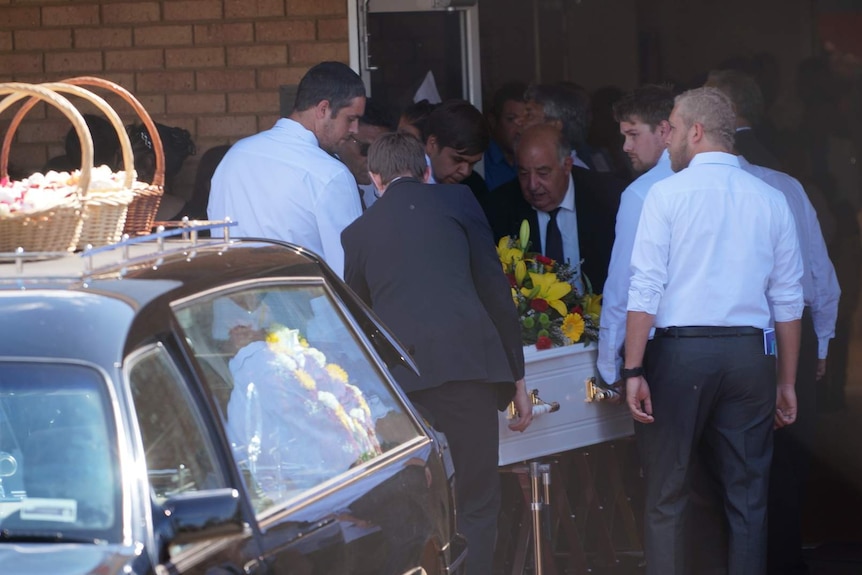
x,y
540,406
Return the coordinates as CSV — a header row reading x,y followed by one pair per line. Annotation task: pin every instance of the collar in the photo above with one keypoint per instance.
x,y
431,179
715,158
296,129
743,128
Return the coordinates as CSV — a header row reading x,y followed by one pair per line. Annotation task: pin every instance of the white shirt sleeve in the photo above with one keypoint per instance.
x,y
337,206
649,260
784,289
824,304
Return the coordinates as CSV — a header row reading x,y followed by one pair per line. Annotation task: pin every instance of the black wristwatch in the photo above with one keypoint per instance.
x,y
632,372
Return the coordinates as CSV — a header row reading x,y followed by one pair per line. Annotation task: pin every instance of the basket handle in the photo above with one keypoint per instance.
x,y
158,148
17,91
100,103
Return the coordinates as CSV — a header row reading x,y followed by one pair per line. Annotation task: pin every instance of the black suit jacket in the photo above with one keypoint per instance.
x,y
423,258
597,198
752,149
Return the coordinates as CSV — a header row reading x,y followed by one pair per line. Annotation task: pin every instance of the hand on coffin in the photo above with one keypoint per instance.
x,y
523,407
639,400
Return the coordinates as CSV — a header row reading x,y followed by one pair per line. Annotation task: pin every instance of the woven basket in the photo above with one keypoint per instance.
x,y
104,210
142,210
58,228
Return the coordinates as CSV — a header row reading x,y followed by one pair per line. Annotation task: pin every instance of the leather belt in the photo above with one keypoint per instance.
x,y
707,331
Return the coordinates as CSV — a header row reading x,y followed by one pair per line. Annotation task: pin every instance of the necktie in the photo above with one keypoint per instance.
x,y
553,238
362,199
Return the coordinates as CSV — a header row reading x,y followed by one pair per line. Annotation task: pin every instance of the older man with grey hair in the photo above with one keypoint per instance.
x,y
715,258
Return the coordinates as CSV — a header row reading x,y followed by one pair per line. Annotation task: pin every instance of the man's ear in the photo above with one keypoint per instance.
x,y
321,110
567,163
663,129
427,175
431,147
377,180
696,132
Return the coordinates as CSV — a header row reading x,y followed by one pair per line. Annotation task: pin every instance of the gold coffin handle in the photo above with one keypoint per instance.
x,y
596,393
539,406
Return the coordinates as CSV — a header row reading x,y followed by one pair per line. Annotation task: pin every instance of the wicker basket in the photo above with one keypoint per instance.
x,y
142,210
58,228
104,210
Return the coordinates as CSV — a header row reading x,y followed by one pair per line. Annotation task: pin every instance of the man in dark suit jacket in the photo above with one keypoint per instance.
x,y
546,178
423,258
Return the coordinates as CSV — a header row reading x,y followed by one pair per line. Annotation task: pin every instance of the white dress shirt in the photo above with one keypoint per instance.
x,y
716,246
819,282
567,221
280,184
612,330
577,161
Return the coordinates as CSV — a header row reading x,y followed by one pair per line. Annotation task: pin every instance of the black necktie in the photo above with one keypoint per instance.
x,y
362,198
553,238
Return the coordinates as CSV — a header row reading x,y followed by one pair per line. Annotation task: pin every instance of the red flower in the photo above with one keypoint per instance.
x,y
512,281
539,305
545,261
544,342
578,310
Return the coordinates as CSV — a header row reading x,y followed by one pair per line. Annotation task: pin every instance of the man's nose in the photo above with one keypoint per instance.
x,y
627,145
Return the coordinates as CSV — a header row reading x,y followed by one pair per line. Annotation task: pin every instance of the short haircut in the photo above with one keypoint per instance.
x,y
378,115
331,81
508,92
397,154
106,142
711,108
743,91
650,103
459,125
416,114
567,103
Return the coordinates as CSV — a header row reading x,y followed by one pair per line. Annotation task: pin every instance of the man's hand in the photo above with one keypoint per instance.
x,y
523,407
821,369
638,399
785,405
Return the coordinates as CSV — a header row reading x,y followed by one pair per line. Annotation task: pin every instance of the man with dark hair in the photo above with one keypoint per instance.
x,y
376,121
505,118
283,183
106,147
424,260
642,115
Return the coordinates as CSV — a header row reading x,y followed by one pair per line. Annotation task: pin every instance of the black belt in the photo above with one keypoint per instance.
x,y
707,331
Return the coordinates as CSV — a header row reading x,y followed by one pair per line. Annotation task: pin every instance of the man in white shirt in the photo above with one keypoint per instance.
x,y
642,114
715,259
283,183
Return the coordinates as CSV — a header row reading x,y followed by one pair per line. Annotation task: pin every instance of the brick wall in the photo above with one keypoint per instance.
x,y
213,67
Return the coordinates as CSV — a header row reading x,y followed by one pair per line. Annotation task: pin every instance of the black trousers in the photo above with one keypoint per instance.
x,y
467,413
713,401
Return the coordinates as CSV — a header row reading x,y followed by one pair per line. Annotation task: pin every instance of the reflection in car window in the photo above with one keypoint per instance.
x,y
58,459
180,457
303,400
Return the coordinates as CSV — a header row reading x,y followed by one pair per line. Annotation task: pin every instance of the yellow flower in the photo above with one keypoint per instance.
x,y
520,272
272,338
550,289
305,379
573,327
593,305
337,373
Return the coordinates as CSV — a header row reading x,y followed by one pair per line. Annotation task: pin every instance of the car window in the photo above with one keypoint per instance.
x,y
179,453
59,471
303,399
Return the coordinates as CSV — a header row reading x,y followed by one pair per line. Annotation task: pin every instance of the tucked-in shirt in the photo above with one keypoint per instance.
x,y
567,221
280,184
612,332
716,246
497,170
820,288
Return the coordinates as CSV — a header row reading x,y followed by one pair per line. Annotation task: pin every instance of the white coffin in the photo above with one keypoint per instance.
x,y
560,375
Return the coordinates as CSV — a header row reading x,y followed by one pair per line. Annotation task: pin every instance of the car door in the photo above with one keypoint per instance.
x,y
338,469
184,463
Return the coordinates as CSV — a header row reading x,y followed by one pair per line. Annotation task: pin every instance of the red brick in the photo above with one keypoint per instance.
x,y
43,39
221,34
103,37
332,29
27,158
194,57
154,104
195,103
148,59
254,102
230,126
74,15
272,78
317,7
163,35
47,130
20,18
267,121
5,41
284,31
256,56
164,82
131,12
225,80
193,10
66,62
314,52
253,8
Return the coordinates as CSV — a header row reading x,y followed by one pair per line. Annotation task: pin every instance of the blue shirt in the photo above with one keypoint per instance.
x,y
497,170
612,331
716,246
280,184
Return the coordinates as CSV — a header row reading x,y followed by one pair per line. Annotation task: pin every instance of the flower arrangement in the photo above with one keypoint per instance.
x,y
551,307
